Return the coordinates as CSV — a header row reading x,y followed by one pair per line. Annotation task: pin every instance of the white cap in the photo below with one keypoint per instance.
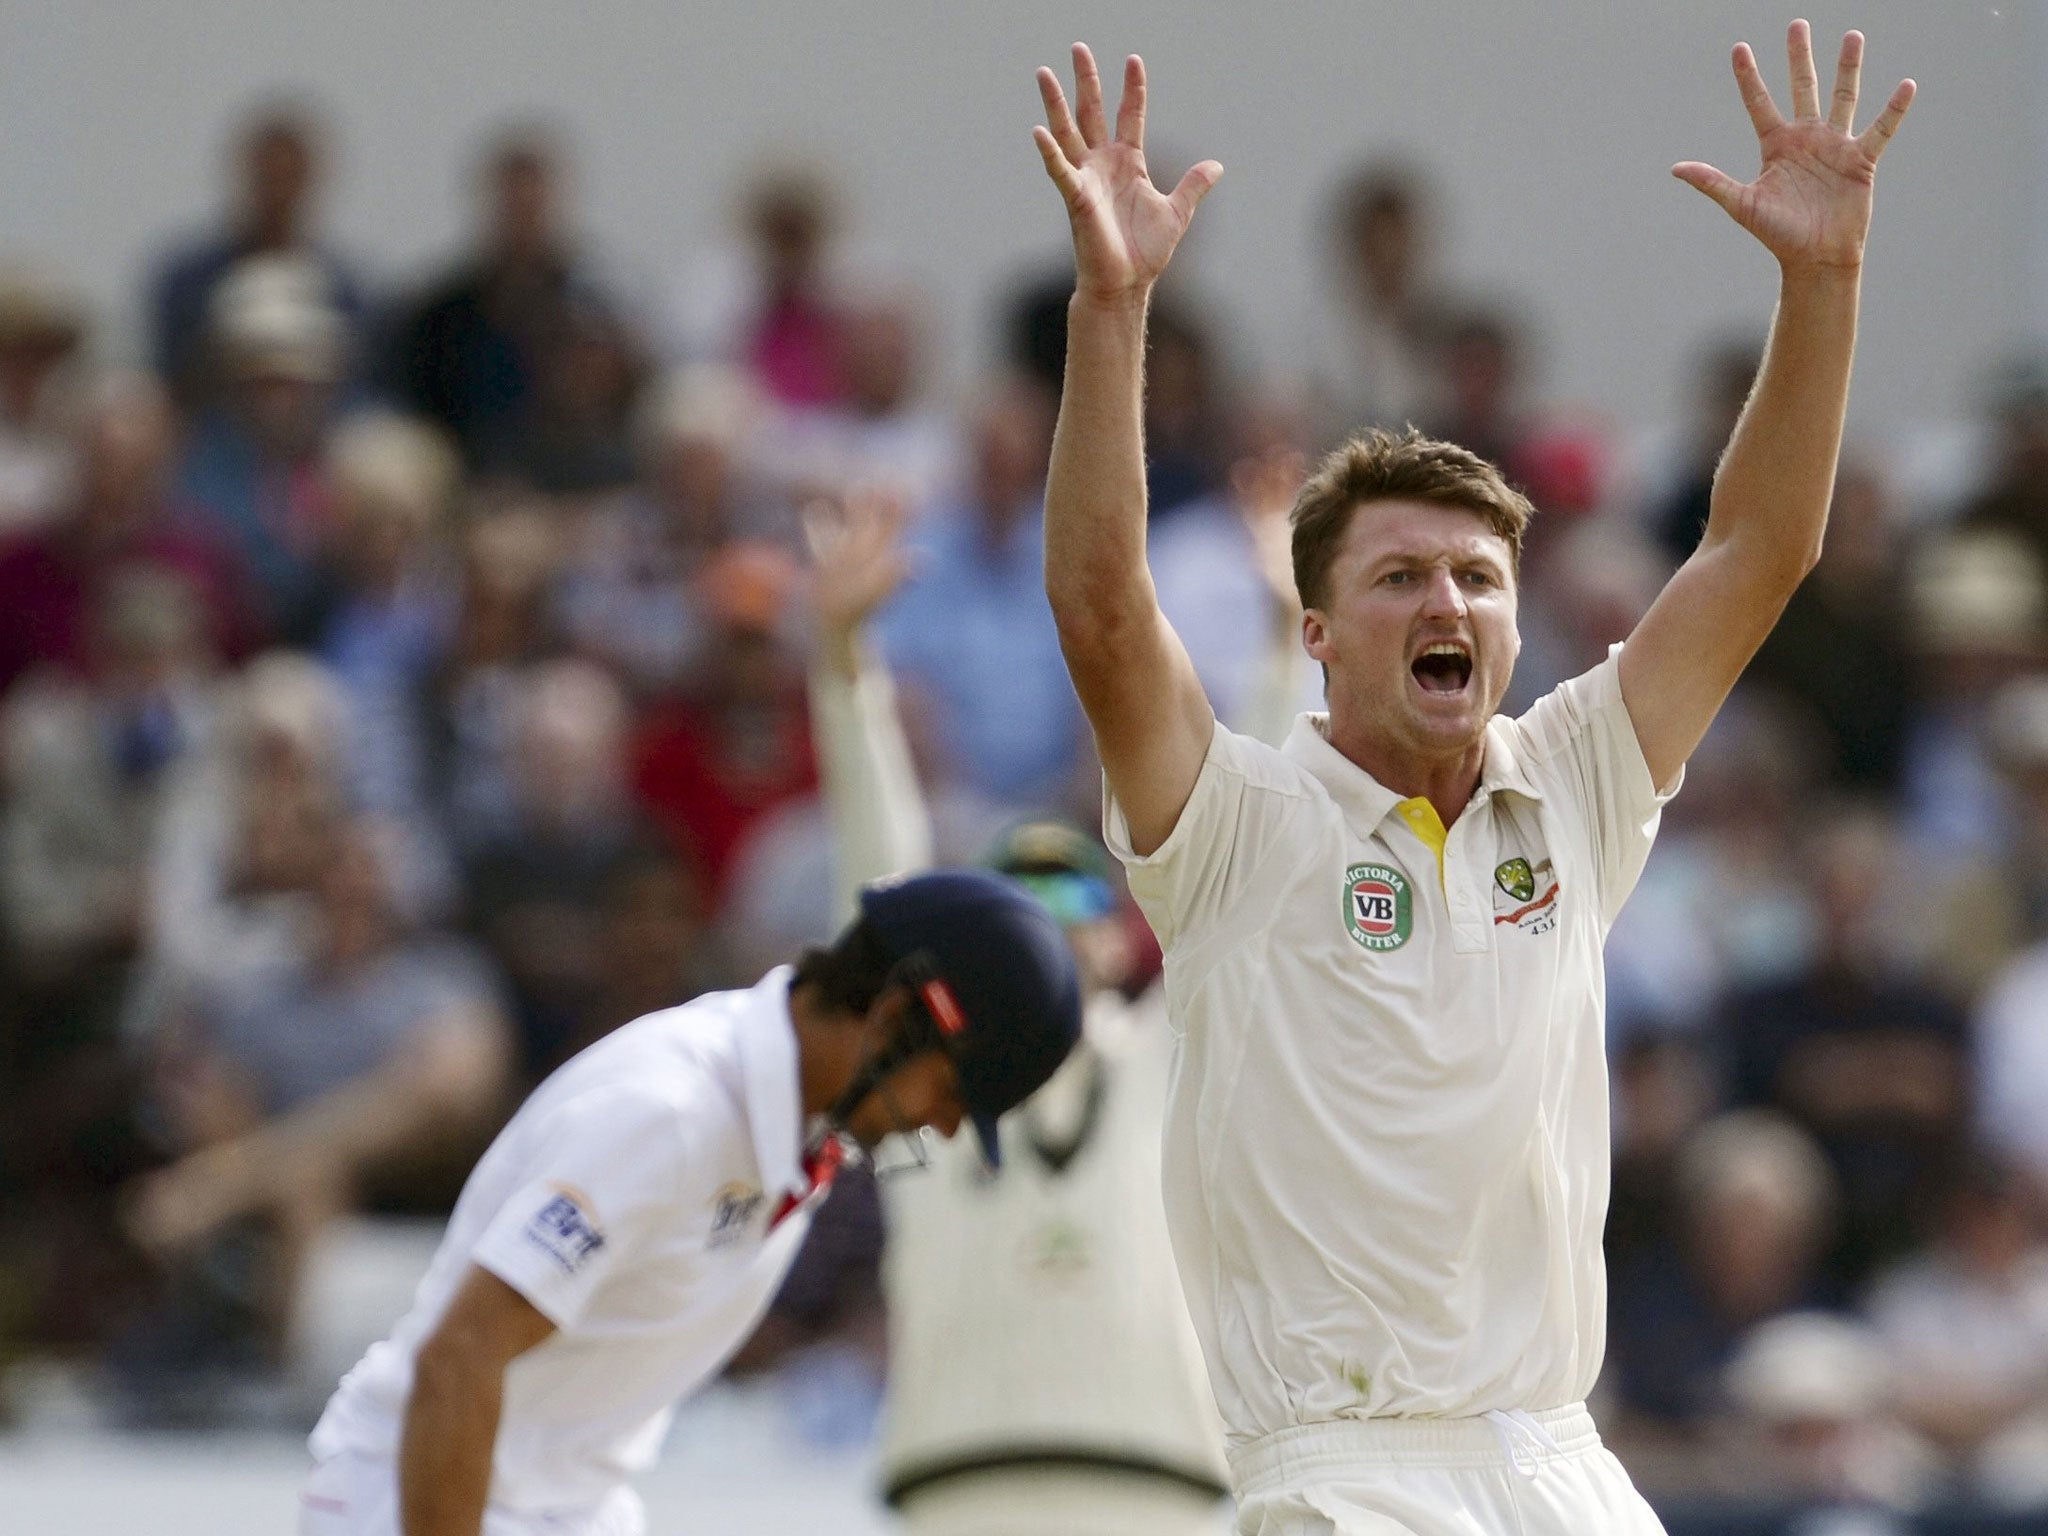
x,y
277,314
1809,1365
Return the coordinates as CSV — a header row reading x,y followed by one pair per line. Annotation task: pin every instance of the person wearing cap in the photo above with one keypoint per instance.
x,y
631,1223
42,333
254,459
1386,1158
1044,1379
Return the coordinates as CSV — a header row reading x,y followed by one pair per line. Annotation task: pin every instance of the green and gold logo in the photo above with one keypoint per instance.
x,y
1378,911
1516,878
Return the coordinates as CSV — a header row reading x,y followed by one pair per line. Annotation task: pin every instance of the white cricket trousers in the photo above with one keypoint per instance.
x,y
350,1495
1503,1474
1061,1501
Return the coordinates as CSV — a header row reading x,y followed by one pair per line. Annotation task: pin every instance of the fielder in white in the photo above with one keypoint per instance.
x,y
1386,1161
1044,1379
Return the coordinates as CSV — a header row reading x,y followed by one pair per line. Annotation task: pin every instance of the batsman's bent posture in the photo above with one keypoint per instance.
x,y
627,1229
1386,1158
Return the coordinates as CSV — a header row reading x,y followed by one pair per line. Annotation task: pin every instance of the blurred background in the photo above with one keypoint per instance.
x,y
406,415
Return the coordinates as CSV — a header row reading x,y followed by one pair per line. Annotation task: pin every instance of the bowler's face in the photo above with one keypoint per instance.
x,y
1418,628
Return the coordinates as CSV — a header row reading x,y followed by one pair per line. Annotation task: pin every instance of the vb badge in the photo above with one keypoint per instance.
x,y
1378,910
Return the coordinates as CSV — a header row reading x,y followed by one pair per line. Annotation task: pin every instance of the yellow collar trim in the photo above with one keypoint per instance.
x,y
1424,822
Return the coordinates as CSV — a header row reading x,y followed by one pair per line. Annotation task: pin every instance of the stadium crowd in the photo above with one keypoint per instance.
x,y
401,689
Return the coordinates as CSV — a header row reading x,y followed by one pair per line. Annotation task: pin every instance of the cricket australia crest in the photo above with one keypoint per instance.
x,y
1517,879
1378,907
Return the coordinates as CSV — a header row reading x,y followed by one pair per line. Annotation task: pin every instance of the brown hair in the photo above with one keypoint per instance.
x,y
1379,465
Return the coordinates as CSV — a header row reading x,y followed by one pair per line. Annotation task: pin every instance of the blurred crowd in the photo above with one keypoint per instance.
x,y
399,689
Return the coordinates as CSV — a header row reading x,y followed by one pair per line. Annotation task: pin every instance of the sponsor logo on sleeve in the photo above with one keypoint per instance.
x,y
1378,906
565,1230
732,1213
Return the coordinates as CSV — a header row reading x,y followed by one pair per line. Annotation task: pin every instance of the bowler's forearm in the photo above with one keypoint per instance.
x,y
1772,490
1095,491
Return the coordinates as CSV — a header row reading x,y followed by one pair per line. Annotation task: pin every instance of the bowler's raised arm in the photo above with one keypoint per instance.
x,y
1151,720
1810,208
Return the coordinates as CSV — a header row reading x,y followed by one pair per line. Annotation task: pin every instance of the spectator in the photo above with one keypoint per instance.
x,y
971,636
881,430
470,353
1754,1203
2011,1060
776,317
376,1054
1663,1092
88,757
734,745
587,386
2014,500
244,832
1224,569
1184,410
1375,363
655,950
1035,329
1481,362
118,518
501,630
42,333
390,614
1725,905
1583,589
541,887
1677,514
255,466
1857,1049
1989,908
278,167
1822,1427
625,593
1979,620
1839,650
1965,1327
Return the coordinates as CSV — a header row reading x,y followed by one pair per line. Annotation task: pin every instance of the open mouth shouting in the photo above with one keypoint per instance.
x,y
1443,668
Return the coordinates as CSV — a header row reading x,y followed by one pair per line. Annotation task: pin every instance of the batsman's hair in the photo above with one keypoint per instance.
x,y
1378,465
851,973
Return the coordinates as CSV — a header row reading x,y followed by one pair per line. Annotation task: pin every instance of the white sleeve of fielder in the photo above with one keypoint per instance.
x,y
614,1165
880,824
1245,797
1579,739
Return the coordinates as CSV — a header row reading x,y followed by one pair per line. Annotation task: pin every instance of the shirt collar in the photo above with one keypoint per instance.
x,y
771,1090
1366,797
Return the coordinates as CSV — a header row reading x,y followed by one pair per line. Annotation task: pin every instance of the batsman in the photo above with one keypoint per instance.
x,y
1386,1158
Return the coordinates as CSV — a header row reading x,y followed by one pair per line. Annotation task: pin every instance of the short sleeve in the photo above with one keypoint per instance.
x,y
1579,742
609,1170
1244,801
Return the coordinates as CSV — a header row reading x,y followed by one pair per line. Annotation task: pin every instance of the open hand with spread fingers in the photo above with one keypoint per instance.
x,y
1810,202
1125,229
858,561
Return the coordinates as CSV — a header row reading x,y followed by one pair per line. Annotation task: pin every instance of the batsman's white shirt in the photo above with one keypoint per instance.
x,y
1386,1157
630,1199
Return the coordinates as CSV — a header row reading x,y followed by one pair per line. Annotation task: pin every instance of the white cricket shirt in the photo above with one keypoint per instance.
x,y
1035,1315
1386,1157
630,1200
